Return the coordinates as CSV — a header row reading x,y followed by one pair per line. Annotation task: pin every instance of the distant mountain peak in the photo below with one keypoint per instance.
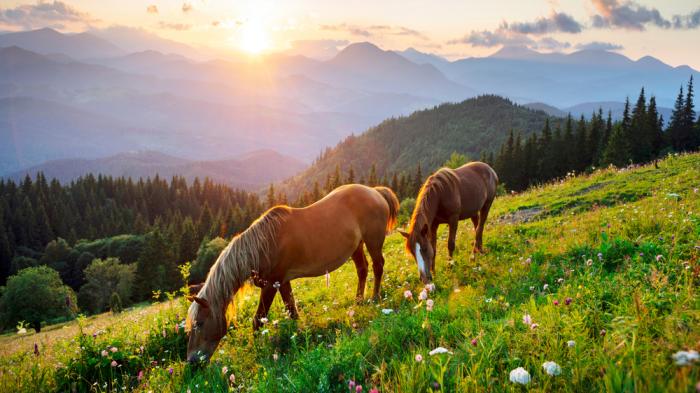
x,y
514,52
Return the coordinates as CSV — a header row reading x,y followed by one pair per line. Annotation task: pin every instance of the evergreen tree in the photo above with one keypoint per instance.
x,y
351,176
372,179
417,181
640,135
156,269
617,152
270,196
654,125
676,126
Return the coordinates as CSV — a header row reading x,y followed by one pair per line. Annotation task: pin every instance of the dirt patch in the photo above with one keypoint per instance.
x,y
522,215
590,188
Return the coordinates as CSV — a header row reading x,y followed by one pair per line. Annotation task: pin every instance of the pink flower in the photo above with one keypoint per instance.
x,y
408,294
114,363
170,371
430,287
556,302
139,377
351,313
474,342
358,389
429,305
351,384
232,378
113,349
527,320
534,326
104,353
423,295
374,390
603,332
568,301
224,370
658,258
419,358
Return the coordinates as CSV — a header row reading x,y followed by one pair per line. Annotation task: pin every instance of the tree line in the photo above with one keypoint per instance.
x,y
575,146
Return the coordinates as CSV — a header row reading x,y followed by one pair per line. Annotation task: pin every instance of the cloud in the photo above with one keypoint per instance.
x,y
43,14
550,44
375,30
317,49
186,7
690,21
152,9
627,15
598,45
174,26
489,39
556,22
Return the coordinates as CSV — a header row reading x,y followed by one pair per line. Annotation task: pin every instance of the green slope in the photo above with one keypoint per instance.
x,y
427,137
624,246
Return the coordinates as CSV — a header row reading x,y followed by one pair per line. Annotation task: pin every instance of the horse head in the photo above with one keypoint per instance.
x,y
205,330
419,245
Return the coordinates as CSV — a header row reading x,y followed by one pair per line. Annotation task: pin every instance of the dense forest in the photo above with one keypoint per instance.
x,y
638,137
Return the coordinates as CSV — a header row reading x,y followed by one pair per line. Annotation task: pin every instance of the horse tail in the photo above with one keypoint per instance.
x,y
393,203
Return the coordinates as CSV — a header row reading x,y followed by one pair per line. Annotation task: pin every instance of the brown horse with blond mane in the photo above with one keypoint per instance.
x,y
446,197
287,243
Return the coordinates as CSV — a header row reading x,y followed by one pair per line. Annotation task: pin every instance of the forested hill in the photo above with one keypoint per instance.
x,y
426,137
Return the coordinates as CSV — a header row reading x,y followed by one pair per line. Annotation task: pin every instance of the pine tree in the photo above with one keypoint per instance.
x,y
640,136
581,148
617,152
676,125
156,266
372,178
270,196
417,181
654,129
351,176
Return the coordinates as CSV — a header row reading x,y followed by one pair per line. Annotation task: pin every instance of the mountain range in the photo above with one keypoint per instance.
x,y
250,171
104,92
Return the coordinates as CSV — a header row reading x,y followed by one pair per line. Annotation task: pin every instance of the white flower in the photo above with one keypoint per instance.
x,y
263,320
520,375
551,368
423,295
429,305
430,287
527,319
684,358
545,287
22,331
264,332
439,350
276,285
387,311
571,343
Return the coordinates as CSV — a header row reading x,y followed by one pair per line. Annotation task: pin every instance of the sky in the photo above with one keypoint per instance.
x,y
668,30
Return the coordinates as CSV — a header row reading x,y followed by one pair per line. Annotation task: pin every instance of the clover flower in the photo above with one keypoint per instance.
x,y
430,287
520,375
224,370
407,294
351,384
429,305
571,343
139,376
358,388
104,353
527,319
114,349
170,371
551,368
114,363
534,326
568,301
419,358
545,287
556,302
658,258
474,342
423,295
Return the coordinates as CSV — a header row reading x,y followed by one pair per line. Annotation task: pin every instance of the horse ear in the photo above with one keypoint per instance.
x,y
202,302
403,233
194,289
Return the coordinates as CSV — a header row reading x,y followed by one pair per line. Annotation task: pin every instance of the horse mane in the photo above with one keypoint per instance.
x,y
428,196
247,252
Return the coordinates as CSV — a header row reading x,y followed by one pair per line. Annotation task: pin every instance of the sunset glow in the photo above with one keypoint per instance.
x,y
254,38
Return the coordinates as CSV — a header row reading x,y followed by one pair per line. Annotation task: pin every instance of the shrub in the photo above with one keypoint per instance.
x,y
105,278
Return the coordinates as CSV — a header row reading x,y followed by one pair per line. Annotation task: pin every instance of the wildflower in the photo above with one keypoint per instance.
x,y
545,287
358,389
532,288
684,358
419,358
170,371
275,356
436,385
114,363
263,320
113,349
164,334
104,353
534,326
551,368
520,375
439,350
430,287
568,301
407,294
265,332
560,280
429,305
387,311
224,370
232,378
556,302
139,377
374,390
423,295
474,342
276,285
589,262
527,320
603,332
351,384
658,258
351,312
528,260
571,343
488,300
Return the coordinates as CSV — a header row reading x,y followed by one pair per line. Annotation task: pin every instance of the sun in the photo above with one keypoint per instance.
x,y
254,38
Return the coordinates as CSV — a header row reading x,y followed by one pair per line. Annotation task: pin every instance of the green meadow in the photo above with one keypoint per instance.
x,y
597,273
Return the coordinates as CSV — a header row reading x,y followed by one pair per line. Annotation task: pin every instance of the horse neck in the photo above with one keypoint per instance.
x,y
428,205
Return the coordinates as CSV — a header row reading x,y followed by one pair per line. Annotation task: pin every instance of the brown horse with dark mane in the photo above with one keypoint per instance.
x,y
287,243
446,197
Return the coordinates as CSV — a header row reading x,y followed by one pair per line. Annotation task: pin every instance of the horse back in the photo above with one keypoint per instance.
x,y
477,186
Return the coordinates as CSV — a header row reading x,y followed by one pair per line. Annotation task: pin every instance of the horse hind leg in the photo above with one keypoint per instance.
x,y
483,216
375,252
358,256
452,237
288,299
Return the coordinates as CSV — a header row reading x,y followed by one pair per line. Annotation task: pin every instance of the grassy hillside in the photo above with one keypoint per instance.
x,y
605,267
427,137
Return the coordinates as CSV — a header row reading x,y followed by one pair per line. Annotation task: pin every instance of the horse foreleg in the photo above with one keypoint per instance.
x,y
288,299
451,239
267,295
433,242
358,256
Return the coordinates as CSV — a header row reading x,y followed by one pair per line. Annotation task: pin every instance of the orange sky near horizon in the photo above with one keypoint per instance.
x,y
451,28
